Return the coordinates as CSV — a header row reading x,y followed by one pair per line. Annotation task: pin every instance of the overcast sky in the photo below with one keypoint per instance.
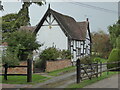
x,y
100,14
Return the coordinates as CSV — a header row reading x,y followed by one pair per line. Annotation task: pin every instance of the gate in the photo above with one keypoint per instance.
x,y
88,71
85,71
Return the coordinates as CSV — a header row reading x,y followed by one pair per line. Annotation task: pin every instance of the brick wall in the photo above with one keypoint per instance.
x,y
59,64
18,70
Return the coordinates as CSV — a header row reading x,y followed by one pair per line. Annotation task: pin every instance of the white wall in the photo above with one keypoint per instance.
x,y
52,36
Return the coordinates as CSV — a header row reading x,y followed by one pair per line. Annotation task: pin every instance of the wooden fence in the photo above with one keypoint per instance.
x,y
85,71
29,71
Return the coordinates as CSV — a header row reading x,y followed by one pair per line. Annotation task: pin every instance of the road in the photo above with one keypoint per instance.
x,y
111,82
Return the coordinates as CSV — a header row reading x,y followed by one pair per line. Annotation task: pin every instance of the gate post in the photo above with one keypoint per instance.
x,y
29,70
97,69
101,68
78,69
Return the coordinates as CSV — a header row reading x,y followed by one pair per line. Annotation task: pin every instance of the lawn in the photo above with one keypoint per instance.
x,y
23,79
61,71
88,82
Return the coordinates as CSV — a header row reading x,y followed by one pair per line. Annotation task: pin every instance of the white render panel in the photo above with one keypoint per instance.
x,y
53,36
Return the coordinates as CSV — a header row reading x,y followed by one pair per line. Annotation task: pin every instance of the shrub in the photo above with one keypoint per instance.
x,y
65,54
118,42
86,60
49,54
114,56
40,64
97,59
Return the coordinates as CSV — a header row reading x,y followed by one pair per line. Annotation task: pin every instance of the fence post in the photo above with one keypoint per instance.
x,y
33,66
29,70
119,66
107,69
78,70
100,68
91,71
5,74
97,69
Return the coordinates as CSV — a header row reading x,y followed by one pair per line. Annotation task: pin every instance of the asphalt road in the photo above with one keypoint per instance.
x,y
112,82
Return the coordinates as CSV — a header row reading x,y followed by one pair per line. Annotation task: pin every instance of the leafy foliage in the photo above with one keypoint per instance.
x,y
101,44
8,22
49,54
12,22
86,60
98,59
114,56
118,42
65,54
114,31
20,41
10,59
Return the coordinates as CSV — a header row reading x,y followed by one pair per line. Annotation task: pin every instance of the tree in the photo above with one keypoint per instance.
x,y
21,41
12,22
8,22
114,31
101,44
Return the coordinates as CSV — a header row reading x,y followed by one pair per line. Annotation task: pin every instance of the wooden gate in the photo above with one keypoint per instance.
x,y
85,71
88,71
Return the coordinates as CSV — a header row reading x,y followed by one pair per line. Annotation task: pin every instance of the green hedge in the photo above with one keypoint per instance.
x,y
114,56
118,42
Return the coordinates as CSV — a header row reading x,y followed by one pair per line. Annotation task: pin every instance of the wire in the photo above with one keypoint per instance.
x,y
94,7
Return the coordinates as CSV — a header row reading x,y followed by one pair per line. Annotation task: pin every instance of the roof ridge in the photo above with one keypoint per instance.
x,y
62,14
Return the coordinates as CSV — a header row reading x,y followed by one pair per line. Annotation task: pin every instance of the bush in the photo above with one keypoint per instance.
x,y
99,59
50,54
65,54
40,64
114,56
118,42
86,60
10,59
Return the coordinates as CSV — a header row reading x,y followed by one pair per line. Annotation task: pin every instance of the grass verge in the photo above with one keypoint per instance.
x,y
23,79
61,71
88,82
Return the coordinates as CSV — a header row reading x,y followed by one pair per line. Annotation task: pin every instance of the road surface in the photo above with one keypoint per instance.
x,y
111,82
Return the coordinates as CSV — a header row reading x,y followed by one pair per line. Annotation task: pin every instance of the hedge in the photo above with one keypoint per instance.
x,y
114,56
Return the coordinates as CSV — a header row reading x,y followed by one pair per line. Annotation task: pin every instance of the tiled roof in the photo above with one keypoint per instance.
x,y
74,30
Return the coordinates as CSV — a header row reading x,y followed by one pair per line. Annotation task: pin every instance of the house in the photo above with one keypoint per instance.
x,y
63,32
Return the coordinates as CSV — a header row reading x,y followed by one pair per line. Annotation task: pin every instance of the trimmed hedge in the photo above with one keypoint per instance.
x,y
114,56
118,42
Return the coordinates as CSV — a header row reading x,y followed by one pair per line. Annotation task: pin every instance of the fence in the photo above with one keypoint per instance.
x,y
29,71
85,71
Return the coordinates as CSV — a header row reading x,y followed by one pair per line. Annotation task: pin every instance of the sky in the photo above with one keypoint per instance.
x,y
100,14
